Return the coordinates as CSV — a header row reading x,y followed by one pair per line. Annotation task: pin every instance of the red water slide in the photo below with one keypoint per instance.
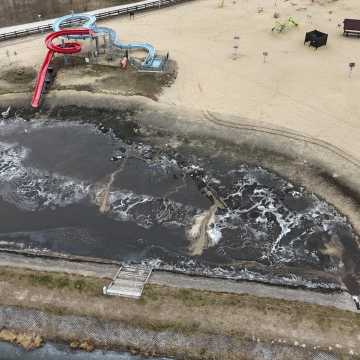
x,y
65,48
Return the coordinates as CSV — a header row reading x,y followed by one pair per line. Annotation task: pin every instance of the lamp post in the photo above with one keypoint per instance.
x,y
39,18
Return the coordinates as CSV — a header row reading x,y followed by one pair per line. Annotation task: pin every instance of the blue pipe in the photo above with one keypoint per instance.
x,y
90,23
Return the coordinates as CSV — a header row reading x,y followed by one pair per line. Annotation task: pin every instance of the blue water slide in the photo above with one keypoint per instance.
x,y
89,21
131,46
151,62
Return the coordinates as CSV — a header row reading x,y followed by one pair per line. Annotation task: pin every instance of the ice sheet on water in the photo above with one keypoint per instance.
x,y
262,211
147,210
33,189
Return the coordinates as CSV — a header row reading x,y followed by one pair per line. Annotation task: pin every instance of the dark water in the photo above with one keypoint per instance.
x,y
62,352
67,187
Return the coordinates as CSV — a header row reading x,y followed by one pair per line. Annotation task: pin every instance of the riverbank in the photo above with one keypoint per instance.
x,y
102,270
173,322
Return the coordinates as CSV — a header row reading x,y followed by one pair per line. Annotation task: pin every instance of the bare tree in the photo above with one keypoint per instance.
x,y
265,55
235,53
351,67
8,56
236,46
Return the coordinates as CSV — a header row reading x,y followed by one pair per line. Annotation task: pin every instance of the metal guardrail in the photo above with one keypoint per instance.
x,y
100,16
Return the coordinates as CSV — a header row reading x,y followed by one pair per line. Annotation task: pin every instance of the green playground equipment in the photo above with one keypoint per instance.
x,y
281,27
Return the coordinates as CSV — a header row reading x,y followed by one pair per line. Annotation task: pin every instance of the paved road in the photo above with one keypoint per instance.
x,y
339,300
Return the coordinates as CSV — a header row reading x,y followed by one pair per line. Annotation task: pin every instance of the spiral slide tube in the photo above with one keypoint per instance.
x,y
66,48
88,29
150,62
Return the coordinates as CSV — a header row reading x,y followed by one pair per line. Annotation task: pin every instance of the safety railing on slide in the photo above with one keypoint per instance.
x,y
99,16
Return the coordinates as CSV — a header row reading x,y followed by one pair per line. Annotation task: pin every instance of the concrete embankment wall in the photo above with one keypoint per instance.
x,y
13,12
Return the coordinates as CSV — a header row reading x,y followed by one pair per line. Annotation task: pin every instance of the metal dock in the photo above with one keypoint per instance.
x,y
129,281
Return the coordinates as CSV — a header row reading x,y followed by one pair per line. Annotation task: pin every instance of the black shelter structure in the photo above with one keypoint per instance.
x,y
316,38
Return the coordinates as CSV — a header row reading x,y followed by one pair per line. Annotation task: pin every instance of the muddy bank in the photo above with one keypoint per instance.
x,y
106,77
14,12
101,76
17,80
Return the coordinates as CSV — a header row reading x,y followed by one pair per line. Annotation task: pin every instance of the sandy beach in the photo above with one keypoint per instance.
x,y
297,87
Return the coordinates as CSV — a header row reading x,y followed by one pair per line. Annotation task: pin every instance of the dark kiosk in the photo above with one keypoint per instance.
x,y
316,38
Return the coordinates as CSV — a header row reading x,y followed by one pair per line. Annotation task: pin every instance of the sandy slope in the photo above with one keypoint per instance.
x,y
297,87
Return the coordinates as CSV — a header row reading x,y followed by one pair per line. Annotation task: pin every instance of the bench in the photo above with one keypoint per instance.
x,y
351,27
